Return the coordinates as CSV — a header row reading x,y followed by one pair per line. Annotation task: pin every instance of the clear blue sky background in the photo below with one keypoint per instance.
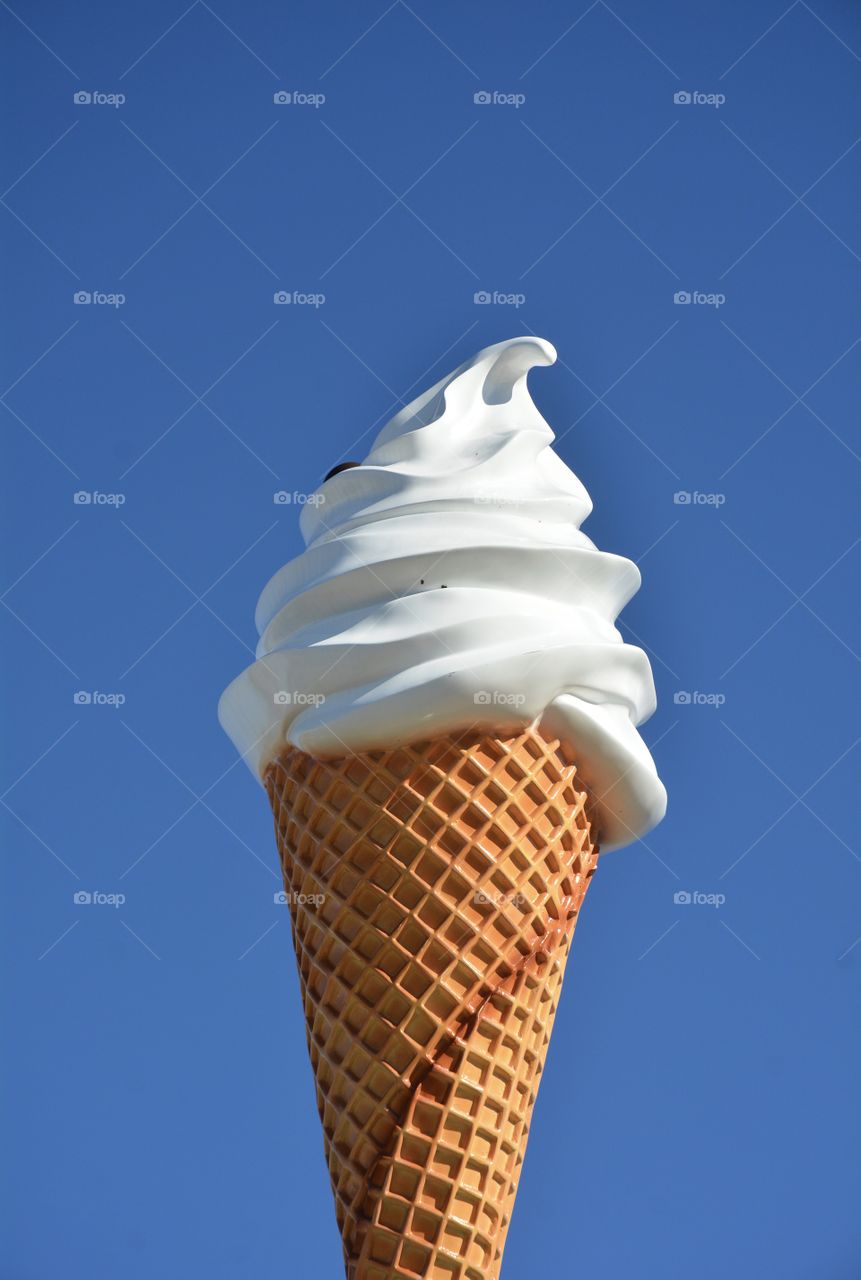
x,y
699,1114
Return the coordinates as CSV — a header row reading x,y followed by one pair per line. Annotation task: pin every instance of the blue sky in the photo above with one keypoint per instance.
x,y
699,1113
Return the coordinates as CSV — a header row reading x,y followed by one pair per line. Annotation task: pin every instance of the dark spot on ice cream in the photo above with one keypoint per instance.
x,y
342,466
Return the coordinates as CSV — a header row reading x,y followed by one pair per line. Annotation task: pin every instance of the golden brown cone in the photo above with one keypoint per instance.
x,y
433,892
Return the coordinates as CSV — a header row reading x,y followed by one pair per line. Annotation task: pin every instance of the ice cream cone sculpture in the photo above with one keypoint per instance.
x,y
444,717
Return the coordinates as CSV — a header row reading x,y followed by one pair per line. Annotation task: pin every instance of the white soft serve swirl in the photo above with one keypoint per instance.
x,y
446,584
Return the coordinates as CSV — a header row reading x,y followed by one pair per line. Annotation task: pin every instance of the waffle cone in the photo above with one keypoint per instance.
x,y
433,892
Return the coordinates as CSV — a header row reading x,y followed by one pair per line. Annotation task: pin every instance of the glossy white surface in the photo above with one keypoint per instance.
x,y
446,584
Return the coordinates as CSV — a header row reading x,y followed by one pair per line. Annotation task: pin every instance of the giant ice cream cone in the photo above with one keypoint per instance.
x,y
443,714
434,890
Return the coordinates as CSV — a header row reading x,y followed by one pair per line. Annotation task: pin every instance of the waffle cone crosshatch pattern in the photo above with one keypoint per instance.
x,y
433,891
